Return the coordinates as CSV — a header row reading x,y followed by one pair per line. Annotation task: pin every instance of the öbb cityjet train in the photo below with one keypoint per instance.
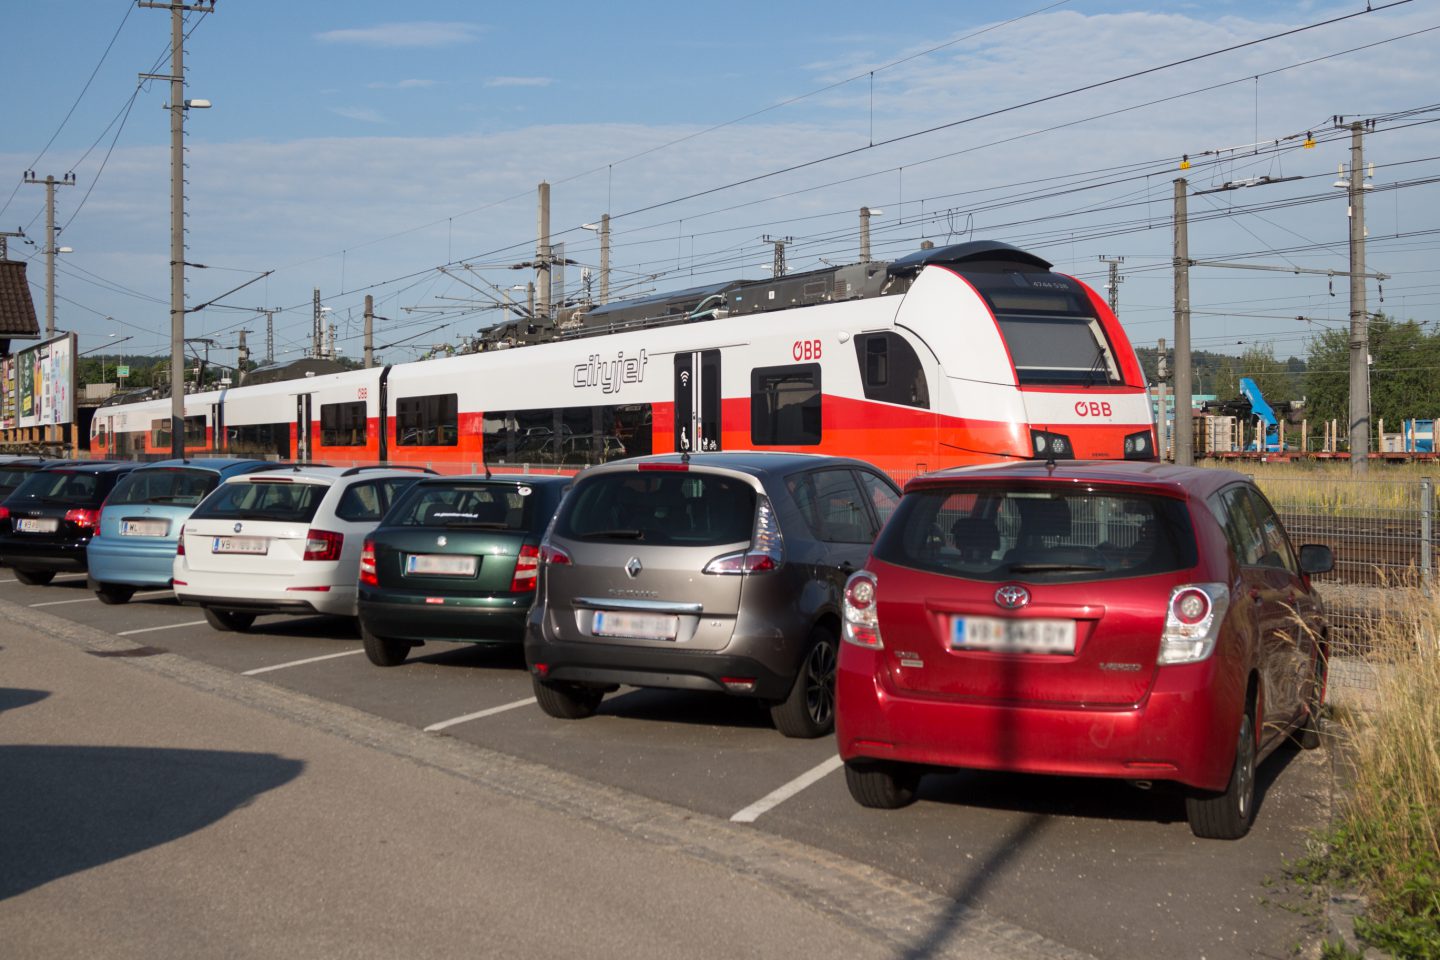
x,y
962,354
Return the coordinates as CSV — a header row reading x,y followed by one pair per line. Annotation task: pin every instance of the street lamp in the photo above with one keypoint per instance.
x,y
865,214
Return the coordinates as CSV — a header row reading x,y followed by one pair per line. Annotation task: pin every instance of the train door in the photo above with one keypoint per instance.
x,y
302,427
697,400
217,425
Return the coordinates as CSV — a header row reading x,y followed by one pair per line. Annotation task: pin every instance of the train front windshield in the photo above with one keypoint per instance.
x,y
1050,329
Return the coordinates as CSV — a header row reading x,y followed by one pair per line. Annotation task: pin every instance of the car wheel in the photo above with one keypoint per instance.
x,y
35,578
1308,735
809,710
880,784
114,592
229,621
383,651
566,701
1228,815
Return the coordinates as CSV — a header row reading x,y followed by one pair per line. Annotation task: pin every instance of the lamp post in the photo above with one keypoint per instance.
x,y
865,214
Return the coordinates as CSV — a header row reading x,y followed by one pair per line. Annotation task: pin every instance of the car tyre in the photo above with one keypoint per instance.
x,y
383,651
1228,815
229,621
114,593
881,785
1311,730
34,578
566,701
809,711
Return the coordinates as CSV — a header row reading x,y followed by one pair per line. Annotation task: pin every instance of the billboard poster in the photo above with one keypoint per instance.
x,y
9,417
44,378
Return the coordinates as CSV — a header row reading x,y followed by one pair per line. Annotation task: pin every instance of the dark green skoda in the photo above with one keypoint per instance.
x,y
455,559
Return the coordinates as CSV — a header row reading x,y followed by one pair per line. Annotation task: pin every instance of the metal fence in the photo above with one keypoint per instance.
x,y
1381,530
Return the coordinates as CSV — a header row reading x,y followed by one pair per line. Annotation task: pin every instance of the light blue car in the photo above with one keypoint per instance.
x,y
134,543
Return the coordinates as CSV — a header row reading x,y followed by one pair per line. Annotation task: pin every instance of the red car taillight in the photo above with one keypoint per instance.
x,y
323,545
368,575
862,622
4,513
1193,620
83,517
767,547
180,542
527,569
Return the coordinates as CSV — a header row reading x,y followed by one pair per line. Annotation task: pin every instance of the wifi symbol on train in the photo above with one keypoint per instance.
x,y
684,378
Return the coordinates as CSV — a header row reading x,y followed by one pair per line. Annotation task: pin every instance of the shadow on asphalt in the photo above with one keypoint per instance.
x,y
67,809
14,697
1084,797
685,706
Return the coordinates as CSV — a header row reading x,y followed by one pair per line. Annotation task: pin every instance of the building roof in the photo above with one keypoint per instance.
x,y
17,310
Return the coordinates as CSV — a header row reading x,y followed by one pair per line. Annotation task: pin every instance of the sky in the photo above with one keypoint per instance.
x,y
396,150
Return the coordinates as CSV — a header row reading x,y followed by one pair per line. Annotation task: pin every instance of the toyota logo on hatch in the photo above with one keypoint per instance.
x,y
1012,596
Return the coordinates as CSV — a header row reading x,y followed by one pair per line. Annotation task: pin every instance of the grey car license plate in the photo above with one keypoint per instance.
x,y
637,626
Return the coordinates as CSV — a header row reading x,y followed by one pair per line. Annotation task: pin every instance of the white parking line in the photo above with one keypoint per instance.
x,y
476,716
774,799
56,603
168,626
297,663
62,576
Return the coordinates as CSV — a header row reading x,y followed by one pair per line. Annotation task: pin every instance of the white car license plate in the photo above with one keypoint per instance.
x,y
441,565
239,545
144,528
34,525
1012,636
639,626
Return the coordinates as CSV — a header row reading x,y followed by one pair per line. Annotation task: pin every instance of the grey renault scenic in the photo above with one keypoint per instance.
x,y
708,571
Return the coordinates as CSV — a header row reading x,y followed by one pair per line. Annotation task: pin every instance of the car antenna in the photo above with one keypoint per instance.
x,y
484,462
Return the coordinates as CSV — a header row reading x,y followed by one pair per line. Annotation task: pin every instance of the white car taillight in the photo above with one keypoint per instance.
x,y
767,547
323,545
862,623
180,542
1192,622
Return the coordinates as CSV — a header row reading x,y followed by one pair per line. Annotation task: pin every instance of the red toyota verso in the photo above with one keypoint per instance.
x,y
1127,620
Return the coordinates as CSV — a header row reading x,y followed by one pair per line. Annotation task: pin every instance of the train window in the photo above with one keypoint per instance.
x,y
342,424
785,405
890,370
431,421
194,432
1058,350
259,440
569,435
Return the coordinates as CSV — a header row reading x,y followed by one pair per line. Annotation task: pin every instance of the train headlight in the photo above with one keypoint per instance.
x,y
1051,446
1139,446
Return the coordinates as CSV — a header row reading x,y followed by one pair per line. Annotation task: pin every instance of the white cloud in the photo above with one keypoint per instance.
x,y
402,85
416,33
519,82
364,114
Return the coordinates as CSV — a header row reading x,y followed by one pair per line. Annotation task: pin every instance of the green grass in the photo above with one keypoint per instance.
x,y
1385,837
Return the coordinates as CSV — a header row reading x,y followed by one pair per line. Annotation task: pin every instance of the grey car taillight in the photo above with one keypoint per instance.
x,y
767,546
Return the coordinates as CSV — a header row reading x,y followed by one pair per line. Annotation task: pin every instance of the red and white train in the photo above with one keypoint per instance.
x,y
963,354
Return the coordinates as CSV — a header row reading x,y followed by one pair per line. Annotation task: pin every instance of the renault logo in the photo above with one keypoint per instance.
x,y
633,567
1012,596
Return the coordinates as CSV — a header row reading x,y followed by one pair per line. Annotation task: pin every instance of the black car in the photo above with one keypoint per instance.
x,y
455,559
15,469
47,523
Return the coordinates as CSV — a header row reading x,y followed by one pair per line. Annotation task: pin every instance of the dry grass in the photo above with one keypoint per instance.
x,y
1328,488
1386,835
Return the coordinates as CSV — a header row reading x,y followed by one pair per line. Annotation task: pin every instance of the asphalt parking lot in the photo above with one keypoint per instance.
x,y
1103,868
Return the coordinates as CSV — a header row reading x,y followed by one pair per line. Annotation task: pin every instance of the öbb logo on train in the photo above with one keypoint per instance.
x,y
1092,408
805,350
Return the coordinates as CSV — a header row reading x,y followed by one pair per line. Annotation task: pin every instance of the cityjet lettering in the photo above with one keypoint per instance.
x,y
608,375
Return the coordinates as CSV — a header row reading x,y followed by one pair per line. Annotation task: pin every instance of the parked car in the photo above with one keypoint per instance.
x,y
47,522
1124,620
134,542
713,571
283,541
455,558
15,469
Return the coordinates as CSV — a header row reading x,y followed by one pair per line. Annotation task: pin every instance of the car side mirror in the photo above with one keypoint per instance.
x,y
1316,558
